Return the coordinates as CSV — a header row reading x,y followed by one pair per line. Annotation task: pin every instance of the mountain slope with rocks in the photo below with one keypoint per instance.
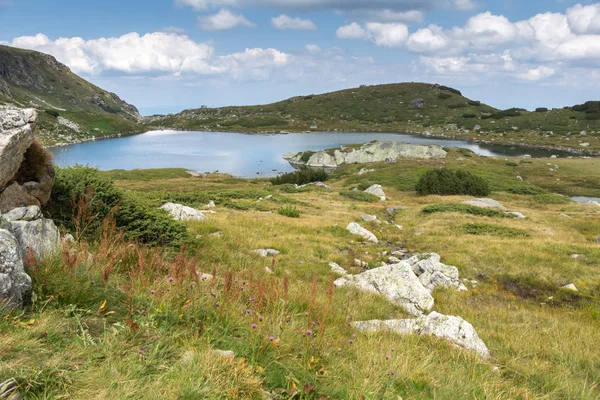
x,y
70,108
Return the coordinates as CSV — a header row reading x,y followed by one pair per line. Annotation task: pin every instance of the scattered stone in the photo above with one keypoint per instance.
x,y
216,234
376,190
336,269
183,213
516,214
268,270
394,260
570,287
269,197
519,178
575,256
400,227
356,229
433,274
566,216
266,252
195,174
393,210
68,238
484,203
361,264
228,354
370,218
398,283
365,171
453,329
549,231
211,204
417,103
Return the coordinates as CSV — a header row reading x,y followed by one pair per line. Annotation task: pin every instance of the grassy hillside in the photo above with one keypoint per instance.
x,y
33,79
109,323
387,108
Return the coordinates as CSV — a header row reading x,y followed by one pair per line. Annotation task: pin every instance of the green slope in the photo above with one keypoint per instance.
x,y
33,79
387,108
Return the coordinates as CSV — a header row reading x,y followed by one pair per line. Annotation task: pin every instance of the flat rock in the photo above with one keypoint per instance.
x,y
336,269
516,214
485,203
39,237
376,190
356,229
370,218
397,283
266,252
453,329
15,284
393,210
434,274
183,213
570,287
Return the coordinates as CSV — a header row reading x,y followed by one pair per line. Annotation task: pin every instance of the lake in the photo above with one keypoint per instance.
x,y
238,154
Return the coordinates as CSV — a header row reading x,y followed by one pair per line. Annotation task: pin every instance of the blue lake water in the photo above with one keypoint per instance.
x,y
238,154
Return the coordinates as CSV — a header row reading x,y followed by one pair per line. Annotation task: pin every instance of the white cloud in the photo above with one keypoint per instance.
x,y
585,19
387,15
313,48
286,22
465,4
537,73
351,31
223,20
381,34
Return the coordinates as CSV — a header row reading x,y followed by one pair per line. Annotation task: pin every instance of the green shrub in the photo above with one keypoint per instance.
x,y
494,230
526,190
449,89
444,96
469,116
364,186
464,209
512,164
52,113
306,156
474,103
301,177
551,198
592,117
289,211
459,105
360,196
541,109
447,182
82,199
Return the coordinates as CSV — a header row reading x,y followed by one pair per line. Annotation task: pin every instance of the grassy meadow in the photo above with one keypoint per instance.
x,y
116,319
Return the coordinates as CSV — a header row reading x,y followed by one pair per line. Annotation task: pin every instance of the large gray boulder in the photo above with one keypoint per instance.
x,y
15,284
368,153
183,213
36,235
16,135
453,329
376,190
397,283
485,203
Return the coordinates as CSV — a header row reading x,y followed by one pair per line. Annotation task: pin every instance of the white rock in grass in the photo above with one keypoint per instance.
x,y
376,190
516,214
571,287
453,329
356,229
433,274
370,218
484,203
266,252
183,213
397,283
336,269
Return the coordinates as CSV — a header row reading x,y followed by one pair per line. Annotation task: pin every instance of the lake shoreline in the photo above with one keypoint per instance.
x,y
575,152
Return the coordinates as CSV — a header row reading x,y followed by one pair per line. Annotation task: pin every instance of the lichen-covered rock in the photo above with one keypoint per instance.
x,y
370,218
16,135
183,213
433,274
15,284
336,269
356,229
453,329
376,190
266,252
397,283
368,153
36,235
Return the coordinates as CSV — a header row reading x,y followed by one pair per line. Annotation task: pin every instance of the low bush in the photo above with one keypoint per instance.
x,y
464,209
444,96
449,89
306,156
474,103
525,190
469,116
459,105
494,230
301,177
82,199
52,113
551,198
364,186
289,211
541,109
445,182
511,164
360,196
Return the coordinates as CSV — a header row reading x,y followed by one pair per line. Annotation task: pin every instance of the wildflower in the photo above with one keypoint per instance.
x,y
392,373
93,282
152,292
260,319
140,351
171,279
248,311
387,356
350,341
213,294
254,326
309,332
271,338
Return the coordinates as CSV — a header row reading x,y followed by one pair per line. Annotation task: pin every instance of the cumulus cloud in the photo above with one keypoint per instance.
x,y
585,19
287,22
381,34
313,48
387,15
223,20
537,73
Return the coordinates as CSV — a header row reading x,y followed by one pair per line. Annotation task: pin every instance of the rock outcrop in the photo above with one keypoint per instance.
x,y
26,171
183,213
377,190
368,153
453,329
15,284
397,283
36,235
433,274
485,203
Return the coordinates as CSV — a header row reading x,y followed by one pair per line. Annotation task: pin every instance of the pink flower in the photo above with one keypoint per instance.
x,y
152,292
271,338
350,341
387,356
309,332
254,326
171,279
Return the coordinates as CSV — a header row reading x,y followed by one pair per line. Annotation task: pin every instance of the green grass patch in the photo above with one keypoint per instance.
x,y
289,211
360,196
493,230
464,209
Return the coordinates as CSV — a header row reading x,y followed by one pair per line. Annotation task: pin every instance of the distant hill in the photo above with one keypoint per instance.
x,y
70,108
403,107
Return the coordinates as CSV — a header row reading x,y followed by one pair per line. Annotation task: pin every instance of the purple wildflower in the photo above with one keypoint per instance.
x,y
254,326
171,279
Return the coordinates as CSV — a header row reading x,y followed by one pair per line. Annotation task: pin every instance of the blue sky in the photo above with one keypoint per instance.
x,y
168,55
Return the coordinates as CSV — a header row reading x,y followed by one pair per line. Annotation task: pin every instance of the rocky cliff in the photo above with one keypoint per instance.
x,y
368,153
